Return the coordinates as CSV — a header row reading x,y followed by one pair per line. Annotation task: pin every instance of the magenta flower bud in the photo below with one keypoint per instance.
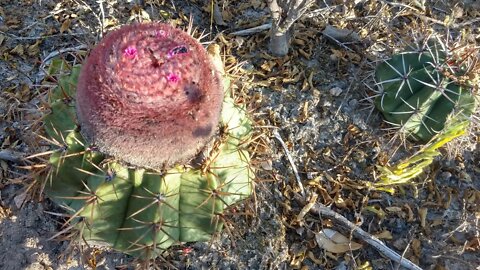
x,y
130,52
158,110
174,78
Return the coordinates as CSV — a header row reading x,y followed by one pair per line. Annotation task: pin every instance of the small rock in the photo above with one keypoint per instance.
x,y
445,175
266,165
336,91
343,35
19,200
353,103
341,266
465,177
248,67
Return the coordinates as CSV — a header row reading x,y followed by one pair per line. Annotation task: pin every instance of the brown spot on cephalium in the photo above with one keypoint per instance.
x,y
193,93
202,131
157,61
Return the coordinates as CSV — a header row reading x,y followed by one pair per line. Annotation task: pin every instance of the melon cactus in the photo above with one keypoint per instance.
x,y
421,89
149,146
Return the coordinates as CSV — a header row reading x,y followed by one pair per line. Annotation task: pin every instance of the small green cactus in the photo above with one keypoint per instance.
x,y
421,89
117,202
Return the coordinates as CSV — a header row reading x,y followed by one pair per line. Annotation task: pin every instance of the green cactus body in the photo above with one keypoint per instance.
x,y
142,211
417,96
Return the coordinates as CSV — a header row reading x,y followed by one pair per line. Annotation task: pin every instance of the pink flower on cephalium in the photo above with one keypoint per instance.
x,y
130,52
173,78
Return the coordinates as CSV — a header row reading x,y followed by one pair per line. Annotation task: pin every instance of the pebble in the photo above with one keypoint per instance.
x,y
326,103
336,91
353,103
446,175
465,177
266,165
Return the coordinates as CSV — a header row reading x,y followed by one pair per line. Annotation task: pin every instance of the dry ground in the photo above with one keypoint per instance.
x,y
316,98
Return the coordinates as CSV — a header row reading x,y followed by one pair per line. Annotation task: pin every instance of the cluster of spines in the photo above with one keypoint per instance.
x,y
418,90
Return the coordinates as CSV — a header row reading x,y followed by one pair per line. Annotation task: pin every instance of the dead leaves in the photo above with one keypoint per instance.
x,y
345,56
18,50
473,245
65,25
334,242
21,50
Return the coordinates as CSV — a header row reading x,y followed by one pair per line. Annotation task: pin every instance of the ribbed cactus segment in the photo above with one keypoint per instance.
x,y
142,211
419,91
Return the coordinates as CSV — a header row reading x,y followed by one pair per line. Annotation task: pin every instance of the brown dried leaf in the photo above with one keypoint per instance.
x,y
23,93
375,209
473,245
304,113
292,77
422,212
257,4
312,257
13,23
18,50
334,242
436,222
307,207
109,22
384,235
268,65
339,201
310,79
393,209
417,247
299,42
34,50
410,215
65,25
305,54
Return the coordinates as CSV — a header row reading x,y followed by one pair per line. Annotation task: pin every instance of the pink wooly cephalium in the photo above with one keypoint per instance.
x,y
149,95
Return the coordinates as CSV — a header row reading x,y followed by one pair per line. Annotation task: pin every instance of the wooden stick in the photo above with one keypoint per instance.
x,y
290,159
253,30
357,232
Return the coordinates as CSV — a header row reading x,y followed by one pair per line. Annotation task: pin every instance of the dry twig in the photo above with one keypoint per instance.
x,y
290,159
253,30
